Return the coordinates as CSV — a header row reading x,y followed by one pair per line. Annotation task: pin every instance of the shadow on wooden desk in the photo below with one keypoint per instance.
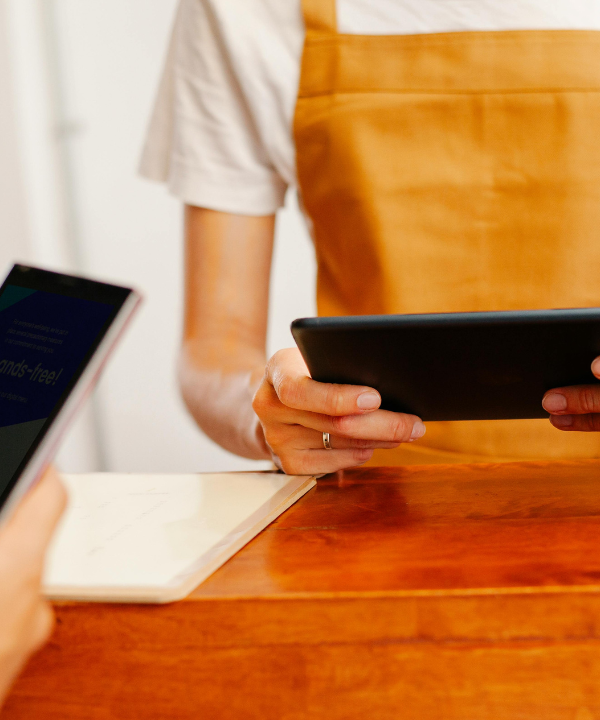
x,y
450,592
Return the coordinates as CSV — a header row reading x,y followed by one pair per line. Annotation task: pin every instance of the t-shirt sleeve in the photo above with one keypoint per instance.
x,y
202,139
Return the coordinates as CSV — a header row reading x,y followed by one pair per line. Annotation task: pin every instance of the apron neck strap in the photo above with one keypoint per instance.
x,y
320,16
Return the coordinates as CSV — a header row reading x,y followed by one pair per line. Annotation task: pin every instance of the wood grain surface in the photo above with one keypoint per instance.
x,y
448,592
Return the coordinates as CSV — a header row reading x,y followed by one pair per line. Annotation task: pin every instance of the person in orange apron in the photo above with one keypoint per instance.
x,y
440,172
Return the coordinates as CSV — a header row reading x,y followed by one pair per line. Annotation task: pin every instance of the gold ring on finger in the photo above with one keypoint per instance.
x,y
326,441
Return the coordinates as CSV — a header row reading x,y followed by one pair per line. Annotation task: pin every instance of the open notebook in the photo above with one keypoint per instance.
x,y
154,538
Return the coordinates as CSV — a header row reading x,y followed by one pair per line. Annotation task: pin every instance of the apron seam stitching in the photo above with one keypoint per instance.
x,y
436,91
466,37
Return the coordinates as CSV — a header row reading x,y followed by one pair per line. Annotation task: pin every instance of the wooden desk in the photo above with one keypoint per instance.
x,y
449,592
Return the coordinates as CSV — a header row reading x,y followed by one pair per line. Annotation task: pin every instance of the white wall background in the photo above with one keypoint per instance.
x,y
14,229
76,86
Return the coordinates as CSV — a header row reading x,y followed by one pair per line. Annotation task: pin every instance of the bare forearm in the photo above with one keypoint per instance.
x,y
219,397
10,667
228,262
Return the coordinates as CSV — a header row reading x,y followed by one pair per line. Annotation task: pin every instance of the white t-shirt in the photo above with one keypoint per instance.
x,y
221,131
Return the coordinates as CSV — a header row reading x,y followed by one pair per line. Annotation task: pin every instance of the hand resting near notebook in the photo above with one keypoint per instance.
x,y
26,620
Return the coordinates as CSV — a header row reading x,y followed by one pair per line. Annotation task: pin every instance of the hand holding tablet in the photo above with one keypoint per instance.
x,y
466,366
297,413
577,407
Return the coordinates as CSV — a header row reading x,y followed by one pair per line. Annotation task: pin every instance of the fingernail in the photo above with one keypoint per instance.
x,y
562,420
554,402
418,430
368,400
596,367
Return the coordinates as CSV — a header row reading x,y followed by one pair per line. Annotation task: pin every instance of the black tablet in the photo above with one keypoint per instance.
x,y
56,332
456,366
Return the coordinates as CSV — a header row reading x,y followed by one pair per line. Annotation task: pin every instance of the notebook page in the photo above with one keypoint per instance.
x,y
124,530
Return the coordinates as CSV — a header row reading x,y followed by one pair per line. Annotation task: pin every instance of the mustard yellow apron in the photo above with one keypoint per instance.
x,y
453,172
